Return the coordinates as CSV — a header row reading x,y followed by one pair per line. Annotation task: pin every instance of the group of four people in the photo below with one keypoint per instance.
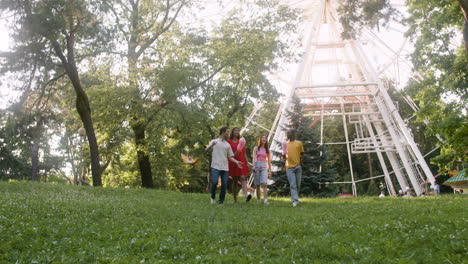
x,y
230,159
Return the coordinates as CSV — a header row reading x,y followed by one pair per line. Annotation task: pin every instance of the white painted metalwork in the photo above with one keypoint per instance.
x,y
251,118
336,78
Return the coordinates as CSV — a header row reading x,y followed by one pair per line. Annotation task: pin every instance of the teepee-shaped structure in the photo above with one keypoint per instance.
x,y
335,78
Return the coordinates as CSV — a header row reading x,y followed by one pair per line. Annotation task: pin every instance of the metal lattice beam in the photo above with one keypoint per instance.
x,y
335,78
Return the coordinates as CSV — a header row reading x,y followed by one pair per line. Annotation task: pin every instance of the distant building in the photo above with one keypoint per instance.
x,y
459,182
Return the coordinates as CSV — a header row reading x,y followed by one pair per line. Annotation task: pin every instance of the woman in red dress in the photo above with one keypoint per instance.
x,y
237,174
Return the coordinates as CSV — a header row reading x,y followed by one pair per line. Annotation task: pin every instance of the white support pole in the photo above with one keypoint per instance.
x,y
397,140
402,125
321,136
400,148
250,117
388,180
362,85
340,84
310,50
392,157
275,122
408,136
346,113
335,94
384,101
345,127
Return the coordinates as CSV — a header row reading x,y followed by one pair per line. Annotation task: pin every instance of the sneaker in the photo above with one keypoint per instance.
x,y
213,201
295,204
220,203
259,201
266,202
249,197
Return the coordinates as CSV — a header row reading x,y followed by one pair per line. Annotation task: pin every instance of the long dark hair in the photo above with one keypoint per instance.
x,y
232,133
259,143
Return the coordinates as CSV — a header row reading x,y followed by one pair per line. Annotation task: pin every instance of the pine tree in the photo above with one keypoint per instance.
x,y
313,178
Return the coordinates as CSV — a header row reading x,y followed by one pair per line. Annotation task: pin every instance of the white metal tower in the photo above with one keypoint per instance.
x,y
335,78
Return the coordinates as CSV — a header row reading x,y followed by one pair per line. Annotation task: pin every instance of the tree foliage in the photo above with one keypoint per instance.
x,y
53,37
157,85
357,15
441,60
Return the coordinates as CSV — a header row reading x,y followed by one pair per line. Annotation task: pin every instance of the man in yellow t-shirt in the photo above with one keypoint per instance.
x,y
294,159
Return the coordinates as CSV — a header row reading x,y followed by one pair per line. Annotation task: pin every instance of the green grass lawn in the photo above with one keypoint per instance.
x,y
44,223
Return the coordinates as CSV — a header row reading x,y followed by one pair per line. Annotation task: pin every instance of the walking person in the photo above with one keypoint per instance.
x,y
262,167
221,153
436,188
294,157
238,174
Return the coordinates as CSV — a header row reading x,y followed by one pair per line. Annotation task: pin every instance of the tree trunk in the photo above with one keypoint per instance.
x,y
75,171
137,44
35,149
82,102
139,120
464,8
35,159
82,105
465,37
143,157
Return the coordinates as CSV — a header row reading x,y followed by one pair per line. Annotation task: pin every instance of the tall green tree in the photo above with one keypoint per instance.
x,y
170,64
60,33
442,92
150,29
25,151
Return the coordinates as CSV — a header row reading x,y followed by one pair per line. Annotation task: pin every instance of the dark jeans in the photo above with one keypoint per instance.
x,y
215,174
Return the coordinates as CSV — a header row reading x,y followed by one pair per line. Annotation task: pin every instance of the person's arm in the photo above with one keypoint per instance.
x,y
269,165
238,163
245,156
284,155
254,155
302,154
285,160
210,146
230,156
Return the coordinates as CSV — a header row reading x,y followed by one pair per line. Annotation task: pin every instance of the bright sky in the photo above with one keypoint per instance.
x,y
3,37
5,93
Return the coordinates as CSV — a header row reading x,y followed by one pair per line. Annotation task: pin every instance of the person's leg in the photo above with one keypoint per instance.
x,y
257,174
224,179
291,173
214,182
234,188
247,195
264,181
265,193
244,184
298,178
